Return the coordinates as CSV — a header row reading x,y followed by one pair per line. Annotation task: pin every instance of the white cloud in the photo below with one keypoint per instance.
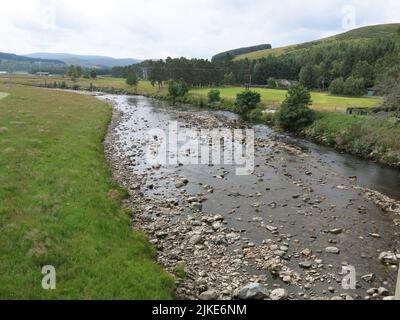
x,y
159,28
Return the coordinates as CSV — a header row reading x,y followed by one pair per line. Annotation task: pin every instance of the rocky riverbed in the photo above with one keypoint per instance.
x,y
283,232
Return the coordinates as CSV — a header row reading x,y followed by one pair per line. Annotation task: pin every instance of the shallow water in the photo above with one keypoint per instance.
x,y
297,194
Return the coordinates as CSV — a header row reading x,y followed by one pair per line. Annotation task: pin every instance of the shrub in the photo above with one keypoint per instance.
x,y
256,115
132,79
272,83
63,85
295,113
214,96
247,101
177,89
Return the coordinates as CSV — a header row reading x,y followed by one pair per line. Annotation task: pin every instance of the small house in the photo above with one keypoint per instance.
x,y
43,74
371,92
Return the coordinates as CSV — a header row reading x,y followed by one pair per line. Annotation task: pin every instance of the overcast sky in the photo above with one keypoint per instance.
x,y
191,28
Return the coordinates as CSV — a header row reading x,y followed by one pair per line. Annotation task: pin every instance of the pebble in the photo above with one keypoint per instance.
x,y
209,295
332,250
336,231
253,291
278,294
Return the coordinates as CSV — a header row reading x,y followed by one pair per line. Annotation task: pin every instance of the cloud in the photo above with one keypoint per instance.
x,y
159,28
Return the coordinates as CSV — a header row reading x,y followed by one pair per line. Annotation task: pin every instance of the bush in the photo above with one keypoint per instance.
x,y
214,96
272,83
63,85
295,113
255,115
247,101
132,79
177,89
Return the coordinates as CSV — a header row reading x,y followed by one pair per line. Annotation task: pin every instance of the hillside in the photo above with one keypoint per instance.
x,y
86,61
13,63
364,33
241,51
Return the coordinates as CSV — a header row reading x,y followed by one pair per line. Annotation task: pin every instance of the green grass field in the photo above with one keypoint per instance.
x,y
100,82
272,98
3,95
59,205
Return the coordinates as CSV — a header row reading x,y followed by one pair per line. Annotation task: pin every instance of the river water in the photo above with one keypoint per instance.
x,y
299,188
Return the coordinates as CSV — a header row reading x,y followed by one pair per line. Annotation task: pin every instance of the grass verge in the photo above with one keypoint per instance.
x,y
59,205
376,138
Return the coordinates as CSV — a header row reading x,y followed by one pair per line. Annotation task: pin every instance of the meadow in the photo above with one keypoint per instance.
x,y
59,205
271,98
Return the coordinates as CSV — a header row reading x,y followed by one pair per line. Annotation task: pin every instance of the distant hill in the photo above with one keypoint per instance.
x,y
236,52
364,33
86,61
13,63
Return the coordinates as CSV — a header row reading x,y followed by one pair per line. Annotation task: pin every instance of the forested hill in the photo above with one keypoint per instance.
x,y
364,33
87,61
12,63
347,64
241,51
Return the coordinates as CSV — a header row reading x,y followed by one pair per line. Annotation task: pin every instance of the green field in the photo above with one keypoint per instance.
x,y
59,205
100,82
272,98
3,95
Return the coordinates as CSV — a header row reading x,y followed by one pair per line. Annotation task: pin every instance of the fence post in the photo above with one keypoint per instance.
x,y
397,295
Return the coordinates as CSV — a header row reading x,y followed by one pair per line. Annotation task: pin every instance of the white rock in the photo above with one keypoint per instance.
x,y
278,294
332,250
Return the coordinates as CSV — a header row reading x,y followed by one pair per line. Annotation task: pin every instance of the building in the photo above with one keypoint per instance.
x,y
42,74
371,92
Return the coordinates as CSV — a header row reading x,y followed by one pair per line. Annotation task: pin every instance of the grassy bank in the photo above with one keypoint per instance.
x,y
369,137
60,207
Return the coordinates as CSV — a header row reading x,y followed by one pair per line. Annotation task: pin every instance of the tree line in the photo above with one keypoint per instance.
x,y
195,72
343,68
75,72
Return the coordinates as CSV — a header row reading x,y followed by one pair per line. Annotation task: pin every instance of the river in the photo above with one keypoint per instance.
x,y
301,199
